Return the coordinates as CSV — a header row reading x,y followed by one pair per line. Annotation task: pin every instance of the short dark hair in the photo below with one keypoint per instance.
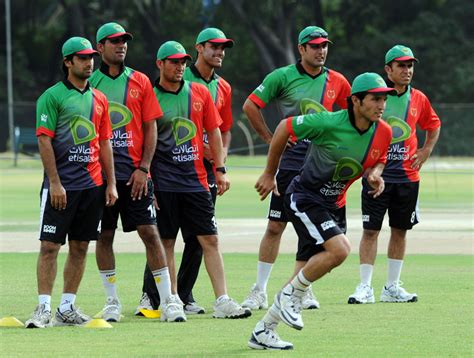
x,y
359,95
64,67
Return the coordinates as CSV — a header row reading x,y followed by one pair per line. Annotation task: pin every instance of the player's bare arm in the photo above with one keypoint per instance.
x,y
139,178
56,190
107,163
215,143
422,154
375,180
253,113
226,139
267,182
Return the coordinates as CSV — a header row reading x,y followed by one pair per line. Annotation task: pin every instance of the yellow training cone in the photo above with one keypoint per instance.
x,y
10,322
150,313
98,323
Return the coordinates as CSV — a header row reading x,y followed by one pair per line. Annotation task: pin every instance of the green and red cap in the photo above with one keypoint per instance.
x,y
214,35
111,30
372,83
399,53
78,46
172,50
313,35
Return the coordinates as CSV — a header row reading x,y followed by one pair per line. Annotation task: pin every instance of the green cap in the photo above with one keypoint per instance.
x,y
372,83
313,35
214,35
79,46
172,49
110,30
399,53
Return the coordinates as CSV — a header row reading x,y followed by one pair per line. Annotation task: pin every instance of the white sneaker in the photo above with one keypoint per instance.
x,y
228,308
172,310
71,317
396,293
41,318
363,294
145,304
256,299
193,308
309,301
112,311
290,307
264,336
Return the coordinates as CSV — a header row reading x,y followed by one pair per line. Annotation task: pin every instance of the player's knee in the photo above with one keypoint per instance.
x,y
370,235
49,250
78,249
275,229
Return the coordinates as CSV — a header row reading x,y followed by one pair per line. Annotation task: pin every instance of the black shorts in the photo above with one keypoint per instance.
x,y
132,212
313,223
193,213
276,212
79,221
401,200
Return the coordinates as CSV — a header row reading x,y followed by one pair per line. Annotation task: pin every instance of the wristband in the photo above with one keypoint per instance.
x,y
143,169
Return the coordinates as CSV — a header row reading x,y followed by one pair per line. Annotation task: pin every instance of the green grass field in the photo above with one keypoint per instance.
x,y
439,325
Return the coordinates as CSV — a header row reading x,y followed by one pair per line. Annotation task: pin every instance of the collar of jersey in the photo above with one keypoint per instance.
x,y
161,89
104,68
302,71
196,73
70,86
391,84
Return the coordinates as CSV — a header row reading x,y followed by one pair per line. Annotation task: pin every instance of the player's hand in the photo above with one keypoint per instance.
x,y
139,182
290,144
58,196
377,183
208,153
155,202
419,158
265,184
111,194
223,183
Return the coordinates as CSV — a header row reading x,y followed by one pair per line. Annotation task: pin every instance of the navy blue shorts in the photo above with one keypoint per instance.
x,y
276,211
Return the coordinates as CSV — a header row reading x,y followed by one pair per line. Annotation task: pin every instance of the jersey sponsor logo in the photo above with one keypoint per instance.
x,y
260,88
365,218
346,169
121,140
81,154
82,130
275,214
134,93
413,112
328,225
49,229
332,188
99,110
308,106
400,129
120,115
398,152
375,153
183,130
197,106
185,153
44,117
331,93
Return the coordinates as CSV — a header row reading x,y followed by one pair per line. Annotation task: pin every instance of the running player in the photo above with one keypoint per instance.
x,y
133,112
179,175
345,145
305,87
404,112
73,129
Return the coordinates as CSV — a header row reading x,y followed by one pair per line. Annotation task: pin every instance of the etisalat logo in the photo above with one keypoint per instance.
x,y
183,131
346,169
120,116
309,106
82,130
400,129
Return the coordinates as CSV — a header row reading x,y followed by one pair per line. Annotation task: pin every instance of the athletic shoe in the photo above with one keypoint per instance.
x,y
193,308
145,304
228,308
172,310
41,318
256,299
396,293
71,317
363,294
290,307
264,336
112,311
309,301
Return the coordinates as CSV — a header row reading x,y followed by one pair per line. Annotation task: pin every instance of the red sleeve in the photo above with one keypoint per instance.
x,y
45,131
105,125
151,109
212,119
428,120
226,109
344,92
289,127
256,100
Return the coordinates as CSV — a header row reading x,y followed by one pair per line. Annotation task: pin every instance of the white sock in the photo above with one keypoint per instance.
x,y
163,283
264,269
67,301
108,279
46,301
366,272
272,316
300,283
394,271
223,297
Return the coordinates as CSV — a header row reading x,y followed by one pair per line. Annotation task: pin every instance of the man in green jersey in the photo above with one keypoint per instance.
x,y
344,146
301,88
73,129
134,110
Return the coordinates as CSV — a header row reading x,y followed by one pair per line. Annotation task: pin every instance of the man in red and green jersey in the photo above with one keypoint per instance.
x,y
344,146
301,88
133,112
211,44
179,175
73,129
404,112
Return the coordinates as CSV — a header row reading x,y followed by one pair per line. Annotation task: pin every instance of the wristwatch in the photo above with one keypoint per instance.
x,y
223,170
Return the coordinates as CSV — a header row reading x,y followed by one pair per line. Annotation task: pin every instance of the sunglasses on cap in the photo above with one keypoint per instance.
x,y
315,35
117,40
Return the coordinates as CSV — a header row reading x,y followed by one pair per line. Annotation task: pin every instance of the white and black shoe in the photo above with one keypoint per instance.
x,y
264,336
363,294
